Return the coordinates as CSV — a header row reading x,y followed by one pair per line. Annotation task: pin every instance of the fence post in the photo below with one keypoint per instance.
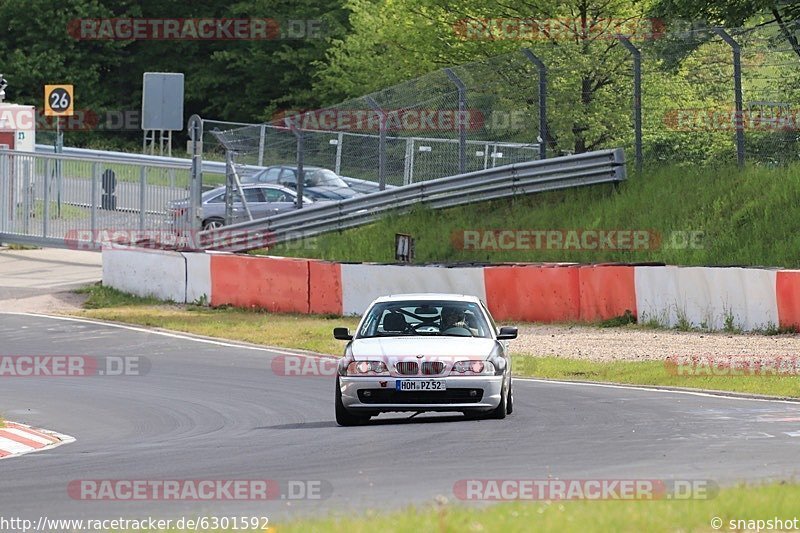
x,y
6,192
196,179
229,185
339,141
737,89
261,139
300,173
462,114
540,66
381,142
142,196
46,210
407,161
95,179
637,98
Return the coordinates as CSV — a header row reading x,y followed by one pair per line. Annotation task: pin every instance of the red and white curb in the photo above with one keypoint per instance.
x,y
18,439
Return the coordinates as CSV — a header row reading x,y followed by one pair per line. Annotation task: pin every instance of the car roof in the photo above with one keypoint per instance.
x,y
305,167
428,296
259,186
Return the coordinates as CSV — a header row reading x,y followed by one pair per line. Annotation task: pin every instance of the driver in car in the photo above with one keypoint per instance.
x,y
454,317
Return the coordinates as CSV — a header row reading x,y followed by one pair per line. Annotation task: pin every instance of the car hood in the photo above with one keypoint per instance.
x,y
430,346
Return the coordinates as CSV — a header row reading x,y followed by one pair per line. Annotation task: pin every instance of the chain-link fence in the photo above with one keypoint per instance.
x,y
703,96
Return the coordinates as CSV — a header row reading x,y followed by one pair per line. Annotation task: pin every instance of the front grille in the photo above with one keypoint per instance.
x,y
431,368
408,397
407,368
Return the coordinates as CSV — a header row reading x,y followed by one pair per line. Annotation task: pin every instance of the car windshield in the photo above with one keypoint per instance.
x,y
321,177
425,317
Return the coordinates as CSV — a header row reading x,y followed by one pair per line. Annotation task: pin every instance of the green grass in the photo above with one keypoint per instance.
x,y
314,333
68,212
303,332
746,503
651,373
746,218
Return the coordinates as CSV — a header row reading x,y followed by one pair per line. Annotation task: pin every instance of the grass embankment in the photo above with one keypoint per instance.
x,y
739,503
314,333
746,218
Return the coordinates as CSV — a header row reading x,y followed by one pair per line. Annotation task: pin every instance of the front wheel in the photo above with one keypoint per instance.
x,y
343,416
510,403
501,410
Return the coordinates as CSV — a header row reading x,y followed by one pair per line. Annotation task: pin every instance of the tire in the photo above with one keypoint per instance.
x,y
343,416
510,401
213,223
500,412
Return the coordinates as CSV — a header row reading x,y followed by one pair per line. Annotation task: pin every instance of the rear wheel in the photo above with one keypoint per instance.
x,y
343,416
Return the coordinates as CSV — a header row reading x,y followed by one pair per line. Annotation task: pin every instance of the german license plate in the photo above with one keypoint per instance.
x,y
420,384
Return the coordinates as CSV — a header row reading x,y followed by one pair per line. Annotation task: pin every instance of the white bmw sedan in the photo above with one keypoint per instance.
x,y
424,352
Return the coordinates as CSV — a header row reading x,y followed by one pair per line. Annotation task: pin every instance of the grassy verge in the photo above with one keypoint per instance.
x,y
304,332
744,218
314,333
742,503
651,373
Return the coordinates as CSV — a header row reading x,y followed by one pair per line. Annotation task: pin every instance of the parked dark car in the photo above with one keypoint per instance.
x,y
319,183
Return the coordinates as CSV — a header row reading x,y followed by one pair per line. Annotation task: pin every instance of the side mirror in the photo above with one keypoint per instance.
x,y
507,333
343,334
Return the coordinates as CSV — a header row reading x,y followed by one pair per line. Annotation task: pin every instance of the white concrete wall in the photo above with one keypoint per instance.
x,y
198,277
146,273
705,296
363,283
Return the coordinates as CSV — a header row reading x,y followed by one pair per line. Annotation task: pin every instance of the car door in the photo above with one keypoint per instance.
x,y
278,200
255,203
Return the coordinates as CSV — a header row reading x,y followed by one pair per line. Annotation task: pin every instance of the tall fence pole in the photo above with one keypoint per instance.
x,y
462,117
540,66
301,179
229,186
381,142
637,98
737,89
195,128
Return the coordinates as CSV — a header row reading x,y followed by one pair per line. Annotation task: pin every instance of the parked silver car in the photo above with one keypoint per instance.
x,y
262,200
424,352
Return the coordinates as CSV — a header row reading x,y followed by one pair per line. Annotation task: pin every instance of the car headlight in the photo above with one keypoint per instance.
x,y
473,367
367,368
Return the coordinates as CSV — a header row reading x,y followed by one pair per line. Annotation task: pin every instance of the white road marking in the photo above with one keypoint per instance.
x,y
705,394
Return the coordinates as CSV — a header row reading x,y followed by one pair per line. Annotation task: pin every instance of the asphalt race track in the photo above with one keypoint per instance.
x,y
217,411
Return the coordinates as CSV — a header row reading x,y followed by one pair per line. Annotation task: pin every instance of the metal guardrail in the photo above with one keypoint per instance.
x,y
605,166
